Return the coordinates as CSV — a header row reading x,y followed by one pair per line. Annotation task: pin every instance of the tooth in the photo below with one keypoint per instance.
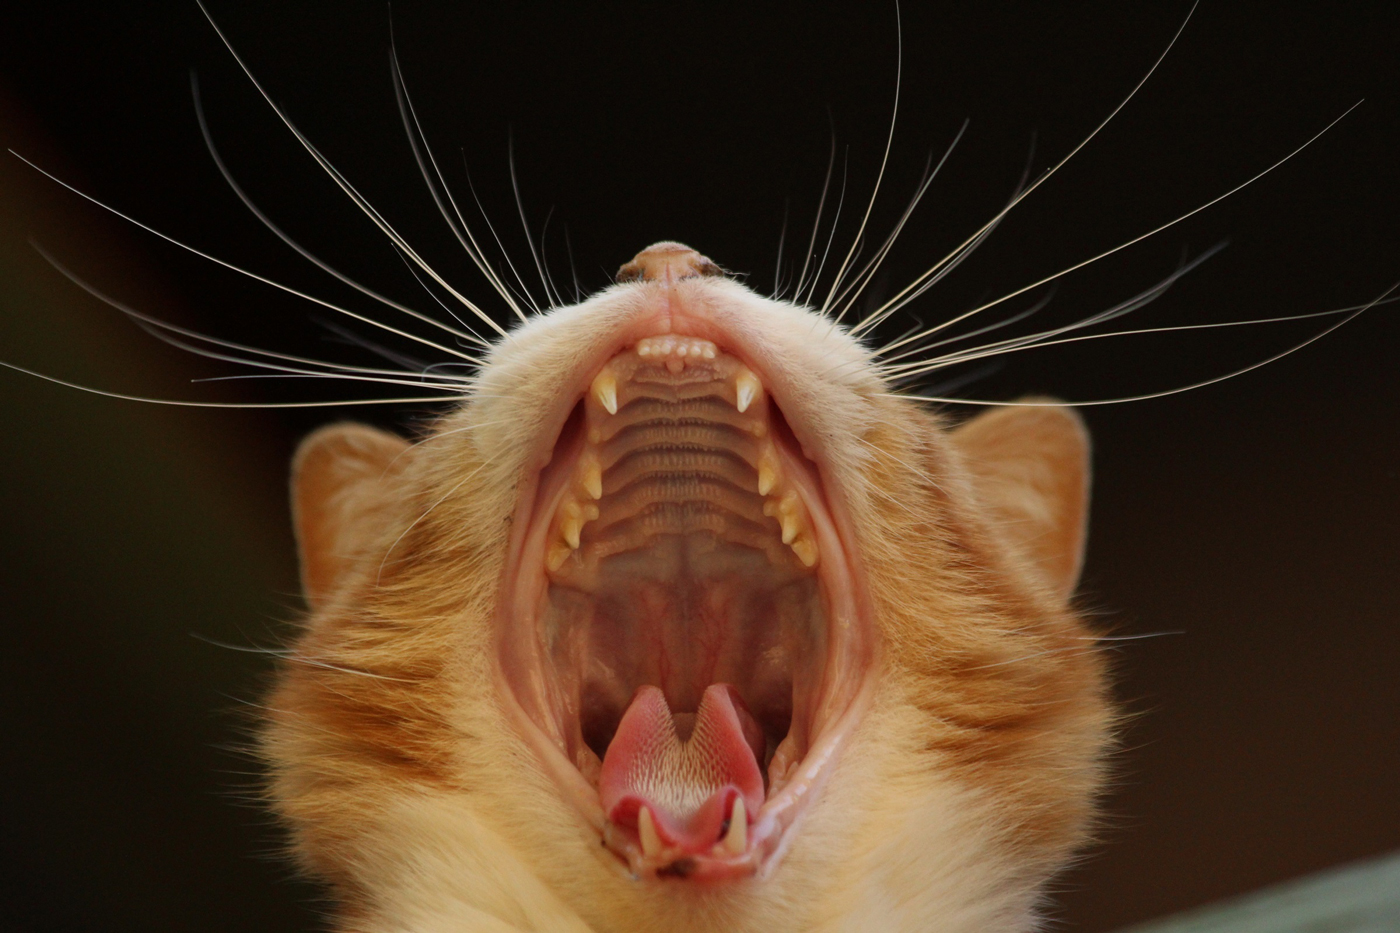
x,y
806,550
592,478
558,553
572,525
709,351
767,474
736,840
746,386
605,391
646,830
789,517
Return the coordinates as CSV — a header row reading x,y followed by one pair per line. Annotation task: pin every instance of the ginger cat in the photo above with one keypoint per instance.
x,y
684,621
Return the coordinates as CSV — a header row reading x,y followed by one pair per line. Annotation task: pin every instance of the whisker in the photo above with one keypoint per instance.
x,y
831,234
817,221
525,224
188,404
1138,239
866,275
1353,315
897,301
306,254
460,229
239,269
158,328
1137,302
340,180
884,161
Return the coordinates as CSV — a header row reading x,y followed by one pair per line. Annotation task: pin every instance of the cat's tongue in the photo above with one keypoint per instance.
x,y
689,786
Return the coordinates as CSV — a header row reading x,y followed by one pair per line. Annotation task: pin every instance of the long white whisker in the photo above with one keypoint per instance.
x,y
831,234
525,224
468,334
186,404
1138,239
866,275
340,180
890,305
239,269
460,229
953,360
884,161
1136,302
1188,388
158,328
816,221
952,261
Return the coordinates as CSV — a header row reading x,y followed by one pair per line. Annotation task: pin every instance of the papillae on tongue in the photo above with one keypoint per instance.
x,y
689,786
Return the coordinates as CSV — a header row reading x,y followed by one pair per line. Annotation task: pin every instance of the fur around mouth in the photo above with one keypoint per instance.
x,y
680,625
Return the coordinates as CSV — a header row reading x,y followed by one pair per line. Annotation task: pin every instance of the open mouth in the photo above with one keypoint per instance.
x,y
681,626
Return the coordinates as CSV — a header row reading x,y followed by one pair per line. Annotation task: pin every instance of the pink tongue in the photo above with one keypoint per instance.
x,y
689,786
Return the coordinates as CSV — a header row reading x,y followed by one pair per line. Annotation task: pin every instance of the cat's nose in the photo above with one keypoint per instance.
x,y
667,260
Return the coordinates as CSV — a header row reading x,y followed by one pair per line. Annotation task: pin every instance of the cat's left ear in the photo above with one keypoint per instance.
x,y
1030,466
345,480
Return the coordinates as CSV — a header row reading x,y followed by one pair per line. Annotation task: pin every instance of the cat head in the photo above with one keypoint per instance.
x,y
685,619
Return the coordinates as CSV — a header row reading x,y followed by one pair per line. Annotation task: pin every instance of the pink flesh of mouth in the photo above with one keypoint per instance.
x,y
697,692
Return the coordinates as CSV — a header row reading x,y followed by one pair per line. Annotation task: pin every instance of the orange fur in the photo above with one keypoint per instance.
x,y
968,782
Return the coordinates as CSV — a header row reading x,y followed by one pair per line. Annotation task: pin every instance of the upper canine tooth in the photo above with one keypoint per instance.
x,y
736,838
646,831
605,391
746,386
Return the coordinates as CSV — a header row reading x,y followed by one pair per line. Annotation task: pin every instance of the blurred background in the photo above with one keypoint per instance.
x,y
1253,526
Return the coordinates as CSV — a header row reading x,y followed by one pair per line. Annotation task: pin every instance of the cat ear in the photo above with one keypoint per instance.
x,y
1030,466
344,478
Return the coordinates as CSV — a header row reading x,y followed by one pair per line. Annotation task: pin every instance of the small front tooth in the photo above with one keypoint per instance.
x,y
736,839
646,831
746,386
806,550
605,391
592,476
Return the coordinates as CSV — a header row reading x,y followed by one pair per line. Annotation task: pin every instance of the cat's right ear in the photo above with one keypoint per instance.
x,y
344,479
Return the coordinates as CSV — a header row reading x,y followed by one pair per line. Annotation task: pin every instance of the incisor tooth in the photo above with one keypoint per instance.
x,y
605,391
646,831
736,839
746,386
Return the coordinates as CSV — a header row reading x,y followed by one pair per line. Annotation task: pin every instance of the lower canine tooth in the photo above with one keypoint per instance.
x,y
736,840
646,831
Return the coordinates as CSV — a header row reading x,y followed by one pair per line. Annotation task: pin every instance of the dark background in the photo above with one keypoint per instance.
x,y
1255,520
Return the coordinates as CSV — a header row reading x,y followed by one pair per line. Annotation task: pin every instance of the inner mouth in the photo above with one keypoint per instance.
x,y
679,597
